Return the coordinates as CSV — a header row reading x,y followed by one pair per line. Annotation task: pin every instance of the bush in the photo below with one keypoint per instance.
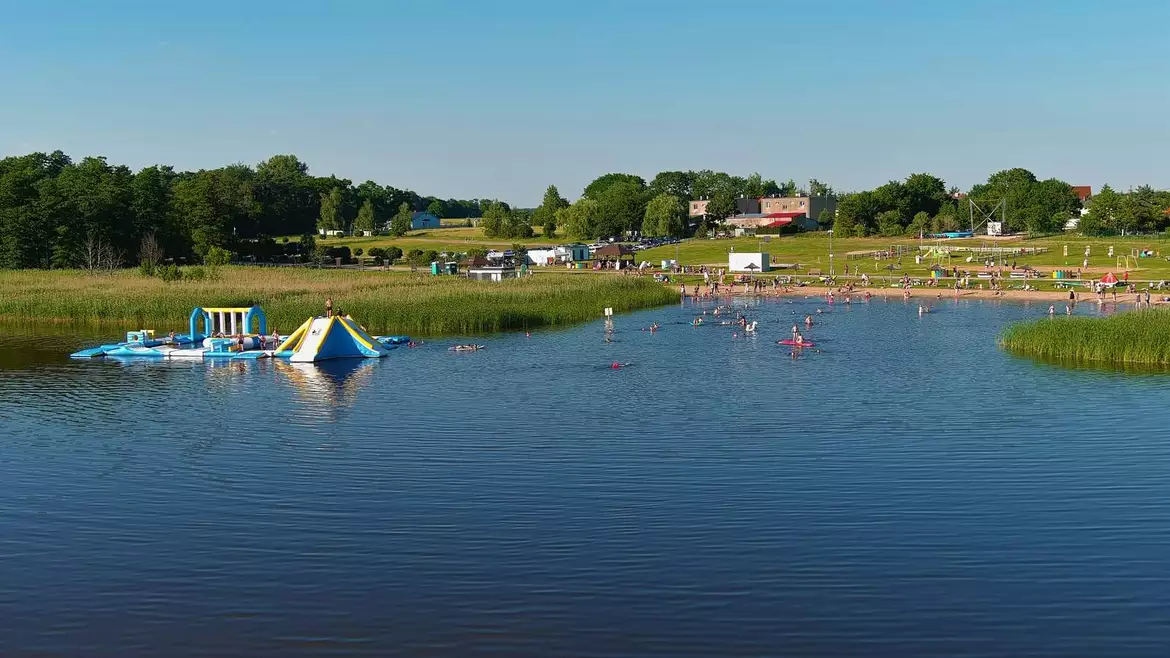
x,y
146,269
357,252
392,254
307,245
417,257
431,256
217,256
195,273
169,273
341,252
377,253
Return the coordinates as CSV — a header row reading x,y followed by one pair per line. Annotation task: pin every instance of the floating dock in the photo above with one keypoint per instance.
x,y
239,333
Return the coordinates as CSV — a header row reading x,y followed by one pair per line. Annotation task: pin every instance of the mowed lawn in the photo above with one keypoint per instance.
x,y
811,250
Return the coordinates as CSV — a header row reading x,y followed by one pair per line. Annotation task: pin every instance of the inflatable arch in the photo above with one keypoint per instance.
x,y
229,321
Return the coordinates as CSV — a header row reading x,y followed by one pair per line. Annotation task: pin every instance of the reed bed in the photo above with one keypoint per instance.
x,y
385,302
1132,338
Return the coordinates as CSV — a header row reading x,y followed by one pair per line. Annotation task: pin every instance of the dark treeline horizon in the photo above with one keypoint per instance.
x,y
53,208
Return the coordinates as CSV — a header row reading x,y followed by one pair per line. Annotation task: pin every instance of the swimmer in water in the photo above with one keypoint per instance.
x,y
819,311
795,331
808,321
1051,310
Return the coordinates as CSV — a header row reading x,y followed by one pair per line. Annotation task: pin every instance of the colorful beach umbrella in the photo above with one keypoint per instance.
x,y
1110,278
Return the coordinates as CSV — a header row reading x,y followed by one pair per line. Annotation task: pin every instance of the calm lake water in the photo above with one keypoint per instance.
x,y
908,491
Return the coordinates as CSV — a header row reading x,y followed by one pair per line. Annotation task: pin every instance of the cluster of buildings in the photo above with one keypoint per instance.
x,y
498,265
418,220
772,212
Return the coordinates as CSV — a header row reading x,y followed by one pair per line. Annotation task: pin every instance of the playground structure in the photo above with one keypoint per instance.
x,y
236,333
986,250
939,255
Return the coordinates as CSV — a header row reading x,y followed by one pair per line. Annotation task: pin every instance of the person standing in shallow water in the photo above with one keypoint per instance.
x,y
328,307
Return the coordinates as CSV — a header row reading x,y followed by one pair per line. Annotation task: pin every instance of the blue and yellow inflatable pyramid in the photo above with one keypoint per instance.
x,y
322,338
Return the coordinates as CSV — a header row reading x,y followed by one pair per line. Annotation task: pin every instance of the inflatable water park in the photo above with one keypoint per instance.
x,y
242,333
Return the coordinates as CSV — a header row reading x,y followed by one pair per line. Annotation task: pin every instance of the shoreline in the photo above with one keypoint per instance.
x,y
938,294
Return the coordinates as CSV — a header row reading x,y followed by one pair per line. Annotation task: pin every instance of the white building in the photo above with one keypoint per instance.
x,y
542,256
559,255
748,262
492,273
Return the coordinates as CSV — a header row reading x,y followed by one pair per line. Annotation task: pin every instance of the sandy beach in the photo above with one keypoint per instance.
x,y
1047,296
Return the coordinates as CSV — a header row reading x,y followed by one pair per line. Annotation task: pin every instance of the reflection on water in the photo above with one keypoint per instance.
x,y
905,489
1129,369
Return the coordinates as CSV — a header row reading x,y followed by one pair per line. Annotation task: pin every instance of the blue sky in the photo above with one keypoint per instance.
x,y
501,98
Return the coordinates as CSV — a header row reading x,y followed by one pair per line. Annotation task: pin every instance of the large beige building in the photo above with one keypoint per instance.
x,y
777,207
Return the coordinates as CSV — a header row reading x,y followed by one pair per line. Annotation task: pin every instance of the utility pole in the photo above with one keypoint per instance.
x,y
830,252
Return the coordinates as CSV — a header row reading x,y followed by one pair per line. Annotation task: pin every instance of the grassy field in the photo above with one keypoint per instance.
x,y
385,302
1133,338
811,250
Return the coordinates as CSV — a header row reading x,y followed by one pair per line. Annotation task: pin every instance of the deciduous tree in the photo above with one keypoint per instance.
x,y
402,221
330,217
665,216
721,206
365,221
580,220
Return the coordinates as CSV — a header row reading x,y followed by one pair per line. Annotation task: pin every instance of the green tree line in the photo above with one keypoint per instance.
x,y
923,204
617,203
55,212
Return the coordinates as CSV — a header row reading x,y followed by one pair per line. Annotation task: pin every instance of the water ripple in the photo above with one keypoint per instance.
x,y
906,489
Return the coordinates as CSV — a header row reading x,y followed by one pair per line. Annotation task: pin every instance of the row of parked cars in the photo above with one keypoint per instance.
x,y
643,243
650,243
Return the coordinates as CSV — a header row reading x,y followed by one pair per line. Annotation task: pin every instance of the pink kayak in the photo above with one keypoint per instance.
x,y
789,341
